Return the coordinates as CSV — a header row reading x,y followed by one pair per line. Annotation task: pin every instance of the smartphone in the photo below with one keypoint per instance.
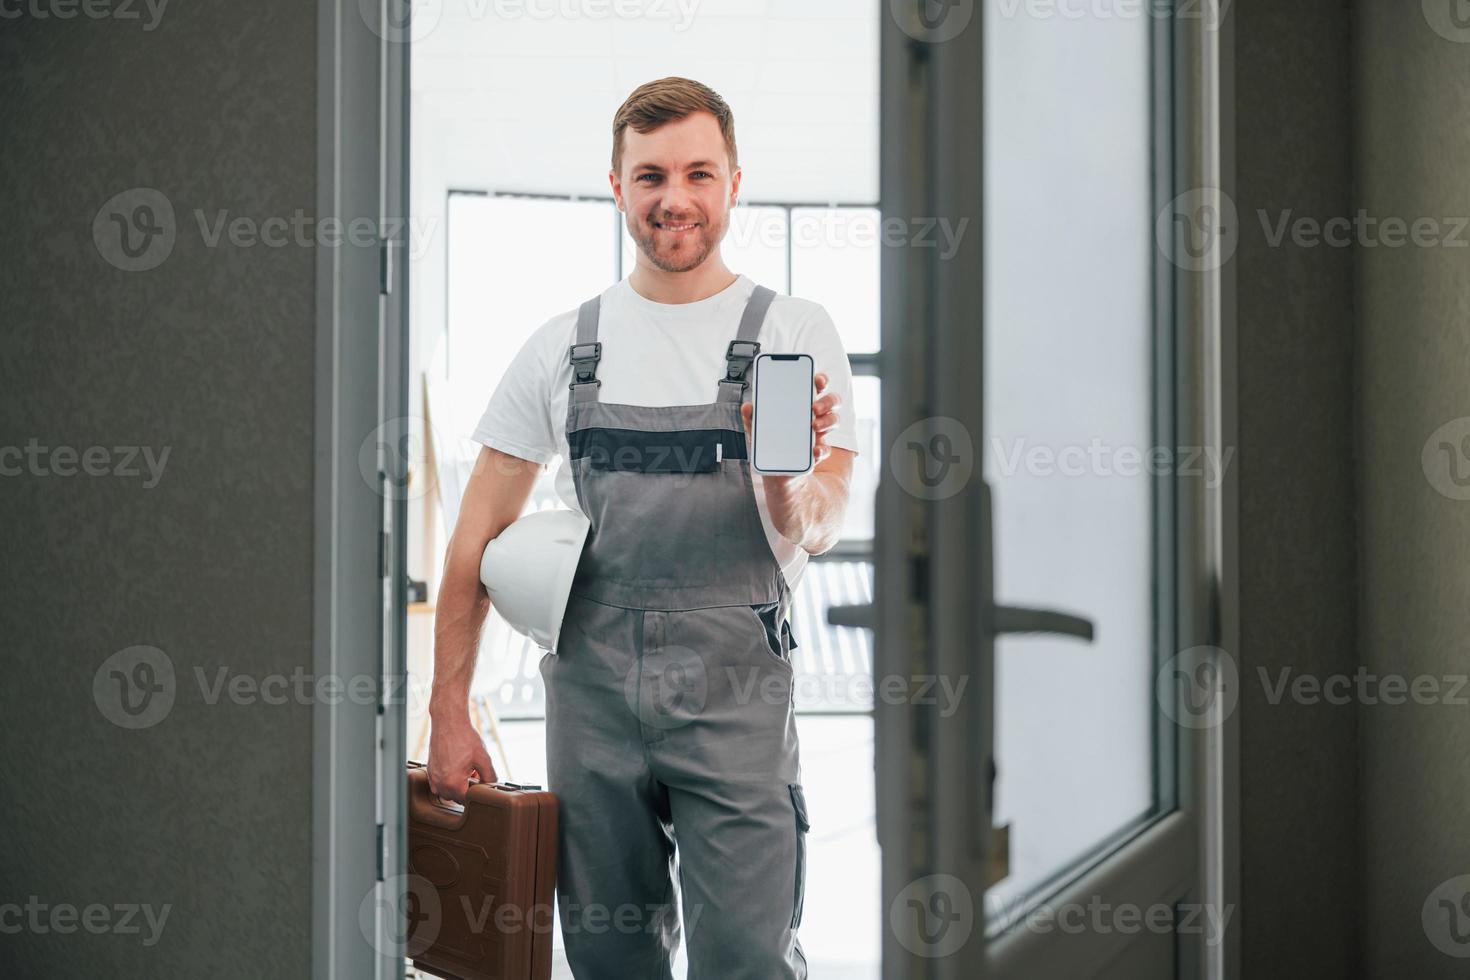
x,y
783,413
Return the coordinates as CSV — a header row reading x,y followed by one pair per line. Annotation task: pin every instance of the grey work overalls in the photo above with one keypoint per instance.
x,y
669,712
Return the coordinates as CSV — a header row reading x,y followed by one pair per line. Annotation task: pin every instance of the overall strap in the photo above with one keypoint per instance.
x,y
586,352
743,349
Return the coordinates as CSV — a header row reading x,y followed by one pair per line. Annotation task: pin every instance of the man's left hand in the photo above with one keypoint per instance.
x,y
798,519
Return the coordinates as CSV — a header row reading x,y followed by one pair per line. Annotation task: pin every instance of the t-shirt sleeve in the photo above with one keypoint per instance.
x,y
518,418
820,339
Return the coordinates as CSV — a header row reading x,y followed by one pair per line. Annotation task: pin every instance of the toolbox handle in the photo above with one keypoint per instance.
x,y
427,806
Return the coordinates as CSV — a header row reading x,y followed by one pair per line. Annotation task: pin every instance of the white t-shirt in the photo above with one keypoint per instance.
x,y
659,354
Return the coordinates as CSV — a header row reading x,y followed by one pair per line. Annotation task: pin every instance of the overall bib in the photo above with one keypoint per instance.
x,y
669,715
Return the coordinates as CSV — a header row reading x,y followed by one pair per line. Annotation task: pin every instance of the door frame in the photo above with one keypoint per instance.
x,y
927,578
361,385
359,554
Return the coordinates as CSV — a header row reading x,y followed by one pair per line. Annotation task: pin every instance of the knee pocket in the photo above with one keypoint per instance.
x,y
798,897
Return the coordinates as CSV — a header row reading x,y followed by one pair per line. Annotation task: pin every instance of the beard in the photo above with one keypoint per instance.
x,y
680,254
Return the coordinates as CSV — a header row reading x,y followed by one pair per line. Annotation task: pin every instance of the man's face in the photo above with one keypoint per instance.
x,y
676,188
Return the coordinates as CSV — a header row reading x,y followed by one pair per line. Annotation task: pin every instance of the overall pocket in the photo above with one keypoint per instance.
x,y
643,451
776,635
798,898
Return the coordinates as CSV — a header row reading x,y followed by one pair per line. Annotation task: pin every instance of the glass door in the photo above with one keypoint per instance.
x,y
1041,540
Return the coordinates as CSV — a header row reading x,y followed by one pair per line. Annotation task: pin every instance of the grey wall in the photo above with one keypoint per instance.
x,y
1353,542
1412,153
1300,874
209,356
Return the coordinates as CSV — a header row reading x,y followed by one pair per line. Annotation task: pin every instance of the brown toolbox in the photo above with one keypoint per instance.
x,y
491,865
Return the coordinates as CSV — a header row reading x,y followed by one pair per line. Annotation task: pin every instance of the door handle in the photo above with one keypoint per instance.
x,y
1003,619
860,615
1019,619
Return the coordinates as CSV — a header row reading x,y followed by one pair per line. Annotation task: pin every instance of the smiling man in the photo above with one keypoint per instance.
x,y
670,729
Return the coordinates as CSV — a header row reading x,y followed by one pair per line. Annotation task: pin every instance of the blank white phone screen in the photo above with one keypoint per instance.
x,y
783,413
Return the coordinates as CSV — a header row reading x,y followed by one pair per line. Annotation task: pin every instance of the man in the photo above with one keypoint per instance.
x,y
669,713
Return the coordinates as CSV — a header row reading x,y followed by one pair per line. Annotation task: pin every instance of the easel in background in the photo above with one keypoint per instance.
x,y
449,474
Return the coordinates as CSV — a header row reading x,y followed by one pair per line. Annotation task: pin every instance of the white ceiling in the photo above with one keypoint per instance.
x,y
519,95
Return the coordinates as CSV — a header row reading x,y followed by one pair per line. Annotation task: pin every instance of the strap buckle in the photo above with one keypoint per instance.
x,y
738,363
581,374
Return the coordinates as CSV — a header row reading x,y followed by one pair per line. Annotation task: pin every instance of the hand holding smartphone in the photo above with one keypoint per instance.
x,y
782,425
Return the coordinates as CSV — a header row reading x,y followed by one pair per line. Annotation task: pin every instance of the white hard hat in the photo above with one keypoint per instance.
x,y
528,570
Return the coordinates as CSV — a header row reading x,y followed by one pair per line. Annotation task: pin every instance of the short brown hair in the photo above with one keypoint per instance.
x,y
654,103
